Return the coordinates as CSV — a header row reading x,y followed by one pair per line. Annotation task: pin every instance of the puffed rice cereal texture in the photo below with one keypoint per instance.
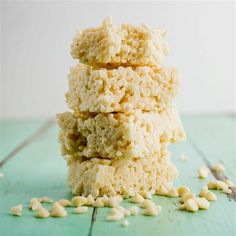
x,y
118,135
125,177
123,89
123,45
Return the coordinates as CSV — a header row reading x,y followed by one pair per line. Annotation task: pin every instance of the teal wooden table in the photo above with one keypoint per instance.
x,y
31,163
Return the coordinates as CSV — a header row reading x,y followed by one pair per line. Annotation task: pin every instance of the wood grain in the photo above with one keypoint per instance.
x,y
38,170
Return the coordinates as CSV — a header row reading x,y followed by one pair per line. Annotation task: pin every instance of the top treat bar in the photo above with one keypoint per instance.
x,y
127,45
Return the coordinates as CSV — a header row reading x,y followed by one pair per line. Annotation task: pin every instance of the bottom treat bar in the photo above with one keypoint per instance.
x,y
126,177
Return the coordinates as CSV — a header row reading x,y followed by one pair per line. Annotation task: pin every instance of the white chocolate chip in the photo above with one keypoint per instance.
x,y
137,199
217,184
42,213
125,223
113,201
105,199
203,172
17,210
220,185
210,196
1,175
202,203
151,211
98,203
146,194
211,185
191,205
79,201
115,211
64,202
229,183
219,168
90,200
187,196
203,192
173,193
47,200
183,190
40,199
134,210
115,216
58,210
227,190
162,191
123,210
80,209
147,203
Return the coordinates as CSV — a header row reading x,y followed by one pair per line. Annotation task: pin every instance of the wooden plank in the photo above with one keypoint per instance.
x,y
38,170
13,133
216,138
218,220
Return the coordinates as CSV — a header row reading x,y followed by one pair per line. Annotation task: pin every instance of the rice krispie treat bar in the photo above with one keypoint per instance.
x,y
117,135
126,177
124,89
125,45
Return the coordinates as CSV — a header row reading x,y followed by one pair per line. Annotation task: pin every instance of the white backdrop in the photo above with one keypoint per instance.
x,y
36,37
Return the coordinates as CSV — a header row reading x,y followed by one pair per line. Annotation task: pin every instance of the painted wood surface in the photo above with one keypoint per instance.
x,y
36,169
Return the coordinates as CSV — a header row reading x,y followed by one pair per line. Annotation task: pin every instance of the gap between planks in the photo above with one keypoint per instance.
x,y
231,195
93,219
40,131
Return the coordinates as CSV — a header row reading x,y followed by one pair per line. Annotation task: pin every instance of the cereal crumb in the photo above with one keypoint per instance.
x,y
47,200
125,223
81,209
115,215
183,157
17,210
134,210
123,210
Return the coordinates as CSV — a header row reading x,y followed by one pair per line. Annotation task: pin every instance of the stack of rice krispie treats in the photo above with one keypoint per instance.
x,y
115,140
